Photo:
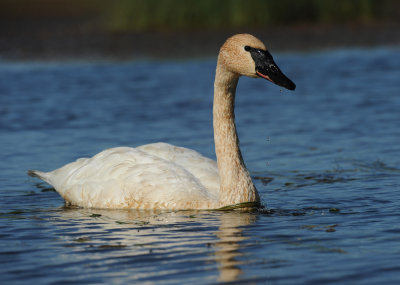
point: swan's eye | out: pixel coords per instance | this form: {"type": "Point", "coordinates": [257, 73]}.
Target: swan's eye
{"type": "Point", "coordinates": [247, 48]}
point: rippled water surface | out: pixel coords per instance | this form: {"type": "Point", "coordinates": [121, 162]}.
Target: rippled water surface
{"type": "Point", "coordinates": [325, 158]}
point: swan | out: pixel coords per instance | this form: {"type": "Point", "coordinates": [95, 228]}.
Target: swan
{"type": "Point", "coordinates": [163, 176]}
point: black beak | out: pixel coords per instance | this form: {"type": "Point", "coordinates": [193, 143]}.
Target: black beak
{"type": "Point", "coordinates": [267, 68]}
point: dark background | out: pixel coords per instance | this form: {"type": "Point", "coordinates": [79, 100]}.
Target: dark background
{"type": "Point", "coordinates": [62, 29]}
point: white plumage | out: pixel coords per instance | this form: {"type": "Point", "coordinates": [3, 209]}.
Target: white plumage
{"type": "Point", "coordinates": [150, 176]}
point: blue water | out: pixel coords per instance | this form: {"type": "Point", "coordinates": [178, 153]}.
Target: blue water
{"type": "Point", "coordinates": [325, 158]}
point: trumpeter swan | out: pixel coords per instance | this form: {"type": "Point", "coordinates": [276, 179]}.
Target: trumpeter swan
{"type": "Point", "coordinates": [162, 176]}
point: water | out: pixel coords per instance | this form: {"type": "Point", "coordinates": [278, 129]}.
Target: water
{"type": "Point", "coordinates": [325, 159]}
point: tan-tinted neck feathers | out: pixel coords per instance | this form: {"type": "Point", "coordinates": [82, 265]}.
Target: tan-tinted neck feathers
{"type": "Point", "coordinates": [233, 61]}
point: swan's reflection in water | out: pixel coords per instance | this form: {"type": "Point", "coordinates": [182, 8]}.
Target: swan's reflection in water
{"type": "Point", "coordinates": [153, 244]}
{"type": "Point", "coordinates": [227, 248]}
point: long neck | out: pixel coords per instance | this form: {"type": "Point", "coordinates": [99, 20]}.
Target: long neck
{"type": "Point", "coordinates": [236, 185]}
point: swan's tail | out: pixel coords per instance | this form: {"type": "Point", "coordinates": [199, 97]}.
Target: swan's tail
{"type": "Point", "coordinates": [39, 174]}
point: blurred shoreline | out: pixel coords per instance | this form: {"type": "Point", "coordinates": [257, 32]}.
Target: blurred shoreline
{"type": "Point", "coordinates": [76, 39]}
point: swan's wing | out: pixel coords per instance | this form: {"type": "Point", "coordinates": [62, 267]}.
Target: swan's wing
{"type": "Point", "coordinates": [203, 168]}
{"type": "Point", "coordinates": [127, 178]}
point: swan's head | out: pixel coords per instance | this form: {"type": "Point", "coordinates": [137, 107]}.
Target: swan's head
{"type": "Point", "coordinates": [244, 54]}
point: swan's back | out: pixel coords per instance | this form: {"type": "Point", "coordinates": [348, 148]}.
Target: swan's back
{"type": "Point", "coordinates": [203, 168]}
{"type": "Point", "coordinates": [151, 176]}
